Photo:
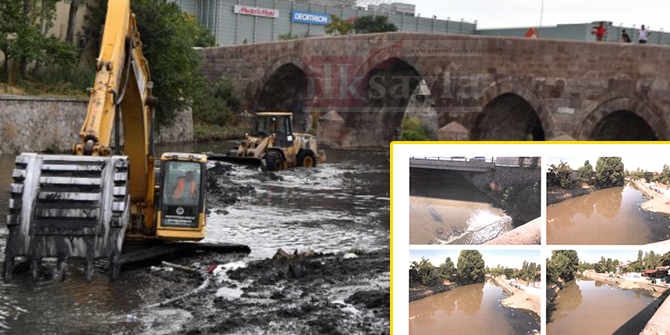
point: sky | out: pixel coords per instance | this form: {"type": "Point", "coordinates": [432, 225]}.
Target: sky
{"type": "Point", "coordinates": [525, 13]}
{"type": "Point", "coordinates": [506, 258]}
{"type": "Point", "coordinates": [654, 164]}
{"type": "Point", "coordinates": [593, 256]}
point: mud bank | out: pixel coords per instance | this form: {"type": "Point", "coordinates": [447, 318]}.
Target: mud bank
{"type": "Point", "coordinates": [552, 292]}
{"type": "Point", "coordinates": [560, 196]}
{"type": "Point", "coordinates": [623, 283]}
{"type": "Point", "coordinates": [424, 292]}
{"type": "Point", "coordinates": [520, 299]}
{"type": "Point", "coordinates": [311, 294]}
{"type": "Point", "coordinates": [658, 203]}
{"type": "Point", "coordinates": [223, 191]}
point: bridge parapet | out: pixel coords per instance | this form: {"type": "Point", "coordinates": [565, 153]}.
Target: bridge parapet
{"type": "Point", "coordinates": [453, 164]}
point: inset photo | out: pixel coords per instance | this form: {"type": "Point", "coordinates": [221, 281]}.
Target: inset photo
{"type": "Point", "coordinates": [608, 292]}
{"type": "Point", "coordinates": [474, 292]}
{"type": "Point", "coordinates": [608, 200]}
{"type": "Point", "coordinates": [475, 200]}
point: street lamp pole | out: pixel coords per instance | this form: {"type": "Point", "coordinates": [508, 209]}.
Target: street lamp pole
{"type": "Point", "coordinates": [541, 13]}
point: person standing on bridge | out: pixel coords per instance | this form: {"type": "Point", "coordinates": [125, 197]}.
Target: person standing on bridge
{"type": "Point", "coordinates": [644, 35]}
{"type": "Point", "coordinates": [624, 37]}
{"type": "Point", "coordinates": [600, 32]}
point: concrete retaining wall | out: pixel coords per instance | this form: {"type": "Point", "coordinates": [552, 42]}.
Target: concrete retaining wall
{"type": "Point", "coordinates": [44, 123]}
{"type": "Point", "coordinates": [659, 324]}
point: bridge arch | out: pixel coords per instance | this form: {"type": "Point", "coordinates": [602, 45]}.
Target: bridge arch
{"type": "Point", "coordinates": [624, 119]}
{"type": "Point", "coordinates": [282, 88]}
{"type": "Point", "coordinates": [387, 88]}
{"type": "Point", "coordinates": [509, 111]}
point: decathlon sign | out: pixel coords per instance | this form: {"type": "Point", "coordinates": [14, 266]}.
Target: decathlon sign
{"type": "Point", "coordinates": [309, 18]}
{"type": "Point", "coordinates": [256, 11]}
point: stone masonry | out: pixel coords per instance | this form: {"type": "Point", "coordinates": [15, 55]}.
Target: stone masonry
{"type": "Point", "coordinates": [36, 124]}
{"type": "Point", "coordinates": [495, 88]}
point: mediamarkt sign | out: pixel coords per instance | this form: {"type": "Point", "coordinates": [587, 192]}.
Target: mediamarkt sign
{"type": "Point", "coordinates": [256, 11]}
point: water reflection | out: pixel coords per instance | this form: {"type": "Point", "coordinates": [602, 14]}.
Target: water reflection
{"type": "Point", "coordinates": [472, 309]}
{"type": "Point", "coordinates": [609, 216]}
{"type": "Point", "coordinates": [599, 307]}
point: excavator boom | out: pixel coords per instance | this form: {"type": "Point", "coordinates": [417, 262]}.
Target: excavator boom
{"type": "Point", "coordinates": [83, 205]}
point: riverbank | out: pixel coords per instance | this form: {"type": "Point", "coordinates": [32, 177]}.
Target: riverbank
{"type": "Point", "coordinates": [554, 197]}
{"type": "Point", "coordinates": [552, 292]}
{"type": "Point", "coordinates": [418, 293]}
{"type": "Point", "coordinates": [658, 202]}
{"type": "Point", "coordinates": [520, 299]}
{"type": "Point", "coordinates": [629, 284]}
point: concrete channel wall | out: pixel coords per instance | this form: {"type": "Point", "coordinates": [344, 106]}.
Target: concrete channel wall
{"type": "Point", "coordinates": [29, 123]}
{"type": "Point", "coordinates": [658, 324]}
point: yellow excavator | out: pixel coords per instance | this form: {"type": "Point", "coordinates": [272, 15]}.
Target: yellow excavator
{"type": "Point", "coordinates": [83, 205]}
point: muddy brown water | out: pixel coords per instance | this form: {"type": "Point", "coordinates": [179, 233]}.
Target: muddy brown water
{"type": "Point", "coordinates": [334, 207]}
{"type": "Point", "coordinates": [610, 216]}
{"type": "Point", "coordinates": [444, 208]}
{"type": "Point", "coordinates": [593, 307]}
{"type": "Point", "coordinates": [472, 309]}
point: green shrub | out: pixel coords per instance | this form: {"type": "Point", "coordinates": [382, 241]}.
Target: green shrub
{"type": "Point", "coordinates": [412, 130]}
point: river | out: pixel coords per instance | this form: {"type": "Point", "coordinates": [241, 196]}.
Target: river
{"type": "Point", "coordinates": [447, 209]}
{"type": "Point", "coordinates": [472, 309]}
{"type": "Point", "coordinates": [338, 205]}
{"type": "Point", "coordinates": [586, 306]}
{"type": "Point", "coordinates": [611, 216]}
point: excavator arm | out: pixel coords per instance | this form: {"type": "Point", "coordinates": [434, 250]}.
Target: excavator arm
{"type": "Point", "coordinates": [83, 205]}
{"type": "Point", "coordinates": [122, 90]}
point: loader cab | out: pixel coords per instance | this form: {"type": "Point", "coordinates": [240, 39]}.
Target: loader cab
{"type": "Point", "coordinates": [181, 201]}
{"type": "Point", "coordinates": [278, 124]}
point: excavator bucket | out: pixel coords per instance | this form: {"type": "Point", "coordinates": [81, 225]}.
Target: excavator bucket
{"type": "Point", "coordinates": [67, 206]}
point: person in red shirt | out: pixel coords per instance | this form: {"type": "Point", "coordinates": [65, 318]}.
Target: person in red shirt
{"type": "Point", "coordinates": [600, 32]}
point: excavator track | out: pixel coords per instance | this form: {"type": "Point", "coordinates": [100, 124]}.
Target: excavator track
{"type": "Point", "coordinates": [67, 207]}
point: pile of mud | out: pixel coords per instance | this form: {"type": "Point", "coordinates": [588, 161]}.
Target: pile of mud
{"type": "Point", "coordinates": [222, 191]}
{"type": "Point", "coordinates": [307, 294]}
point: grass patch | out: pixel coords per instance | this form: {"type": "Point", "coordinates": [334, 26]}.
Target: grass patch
{"type": "Point", "coordinates": [214, 132]}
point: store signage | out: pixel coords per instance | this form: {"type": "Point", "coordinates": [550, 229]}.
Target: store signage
{"type": "Point", "coordinates": [309, 18]}
{"type": "Point", "coordinates": [256, 11]}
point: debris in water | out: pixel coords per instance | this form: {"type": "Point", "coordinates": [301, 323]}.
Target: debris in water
{"type": "Point", "coordinates": [131, 318]}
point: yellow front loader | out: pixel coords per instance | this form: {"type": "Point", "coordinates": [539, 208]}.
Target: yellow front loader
{"type": "Point", "coordinates": [274, 146]}
{"type": "Point", "coordinates": [83, 205]}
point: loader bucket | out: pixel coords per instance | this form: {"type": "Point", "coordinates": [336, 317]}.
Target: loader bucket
{"type": "Point", "coordinates": [67, 206]}
{"type": "Point", "coordinates": [249, 161]}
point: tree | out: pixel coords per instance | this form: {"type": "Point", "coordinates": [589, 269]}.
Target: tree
{"type": "Point", "coordinates": [665, 260]}
{"type": "Point", "coordinates": [421, 272]}
{"type": "Point", "coordinates": [373, 24]}
{"type": "Point", "coordinates": [337, 26]}
{"type": "Point", "coordinates": [470, 266]}
{"type": "Point", "coordinates": [560, 175]}
{"type": "Point", "coordinates": [168, 40]}
{"type": "Point", "coordinates": [509, 273]}
{"type": "Point", "coordinates": [563, 264]}
{"type": "Point", "coordinates": [23, 28]}
{"type": "Point", "coordinates": [609, 171]}
{"type": "Point", "coordinates": [446, 269]}
{"type": "Point", "coordinates": [585, 173]}
{"type": "Point", "coordinates": [71, 18]}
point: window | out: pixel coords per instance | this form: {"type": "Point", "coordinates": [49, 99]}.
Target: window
{"type": "Point", "coordinates": [181, 184]}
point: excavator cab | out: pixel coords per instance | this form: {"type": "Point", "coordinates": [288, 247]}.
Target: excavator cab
{"type": "Point", "coordinates": [181, 198]}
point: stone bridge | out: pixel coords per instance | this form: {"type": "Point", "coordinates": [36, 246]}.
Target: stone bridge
{"type": "Point", "coordinates": [482, 88]}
